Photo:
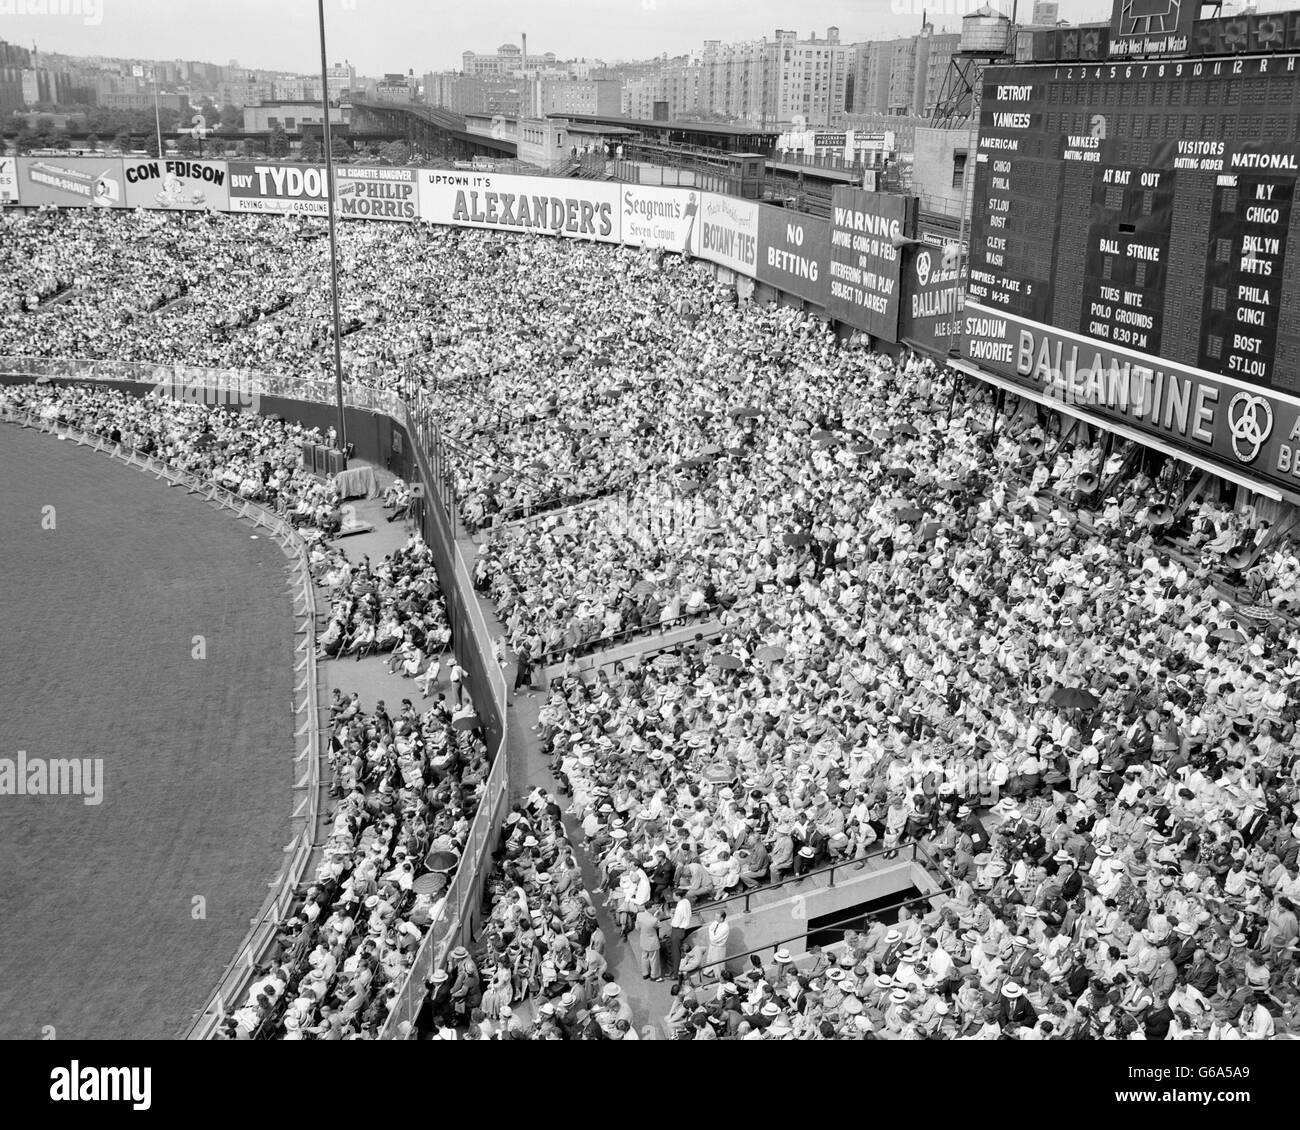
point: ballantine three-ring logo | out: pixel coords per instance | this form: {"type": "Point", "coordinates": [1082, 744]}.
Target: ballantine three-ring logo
{"type": "Point", "coordinates": [1250, 419]}
{"type": "Point", "coordinates": [923, 268]}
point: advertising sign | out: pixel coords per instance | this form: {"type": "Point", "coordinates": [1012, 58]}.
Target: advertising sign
{"type": "Point", "coordinates": [70, 182]}
{"type": "Point", "coordinates": [189, 186]}
{"type": "Point", "coordinates": [934, 278]}
{"type": "Point", "coordinates": [728, 233]}
{"type": "Point", "coordinates": [8, 180]}
{"type": "Point", "coordinates": [366, 193]}
{"type": "Point", "coordinates": [575, 209]}
{"type": "Point", "coordinates": [792, 252]}
{"type": "Point", "coordinates": [1151, 27]}
{"type": "Point", "coordinates": [278, 189]}
{"type": "Point", "coordinates": [659, 217]}
{"type": "Point", "coordinates": [868, 229]}
{"type": "Point", "coordinates": [1237, 425]}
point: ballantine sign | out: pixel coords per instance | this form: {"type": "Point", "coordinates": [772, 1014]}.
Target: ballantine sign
{"type": "Point", "coordinates": [1245, 428]}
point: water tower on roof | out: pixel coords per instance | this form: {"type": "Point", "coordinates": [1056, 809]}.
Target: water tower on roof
{"type": "Point", "coordinates": [985, 38]}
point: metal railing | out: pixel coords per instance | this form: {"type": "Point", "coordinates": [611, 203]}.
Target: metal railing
{"type": "Point", "coordinates": [237, 386]}
{"type": "Point", "coordinates": [842, 925]}
{"type": "Point", "coordinates": [454, 923]}
{"type": "Point", "coordinates": [828, 870]}
{"type": "Point", "coordinates": [239, 974]}
{"type": "Point", "coordinates": [643, 633]}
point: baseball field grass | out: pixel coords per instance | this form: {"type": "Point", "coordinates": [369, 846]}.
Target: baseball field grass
{"type": "Point", "coordinates": [144, 628]}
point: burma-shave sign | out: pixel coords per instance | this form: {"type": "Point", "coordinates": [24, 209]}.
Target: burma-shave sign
{"type": "Point", "coordinates": [1243, 428]}
{"type": "Point", "coordinates": [70, 182]}
{"type": "Point", "coordinates": [868, 232]}
{"type": "Point", "coordinates": [559, 206]}
{"type": "Point", "coordinates": [792, 252]}
{"type": "Point", "coordinates": [188, 186]}
{"type": "Point", "coordinates": [376, 193]}
{"type": "Point", "coordinates": [278, 189]}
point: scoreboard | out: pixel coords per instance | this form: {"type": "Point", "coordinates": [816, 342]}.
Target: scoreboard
{"type": "Point", "coordinates": [1133, 252]}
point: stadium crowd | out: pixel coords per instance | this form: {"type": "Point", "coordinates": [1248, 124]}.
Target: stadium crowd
{"type": "Point", "coordinates": [407, 787]}
{"type": "Point", "coordinates": [919, 629]}
{"type": "Point", "coordinates": [395, 607]}
{"type": "Point", "coordinates": [252, 456]}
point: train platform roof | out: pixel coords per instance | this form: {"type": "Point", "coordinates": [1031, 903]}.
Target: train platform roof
{"type": "Point", "coordinates": [721, 129]}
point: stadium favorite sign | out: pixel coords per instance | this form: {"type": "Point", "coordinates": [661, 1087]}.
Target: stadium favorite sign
{"type": "Point", "coordinates": [1242, 427]}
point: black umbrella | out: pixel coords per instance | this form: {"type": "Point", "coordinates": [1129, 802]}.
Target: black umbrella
{"type": "Point", "coordinates": [1074, 698]}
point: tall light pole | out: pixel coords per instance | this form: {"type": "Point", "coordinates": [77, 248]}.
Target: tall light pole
{"type": "Point", "coordinates": [334, 248]}
{"type": "Point", "coordinates": [157, 117]}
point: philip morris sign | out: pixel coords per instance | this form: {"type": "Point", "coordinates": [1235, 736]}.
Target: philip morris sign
{"type": "Point", "coordinates": [1244, 428]}
{"type": "Point", "coordinates": [377, 193]}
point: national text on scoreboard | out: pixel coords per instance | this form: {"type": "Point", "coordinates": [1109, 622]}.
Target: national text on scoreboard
{"type": "Point", "coordinates": [1145, 208]}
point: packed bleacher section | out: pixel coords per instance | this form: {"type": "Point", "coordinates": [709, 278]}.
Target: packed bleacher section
{"type": "Point", "coordinates": [394, 608]}
{"type": "Point", "coordinates": [539, 970]}
{"type": "Point", "coordinates": [254, 457]}
{"type": "Point", "coordinates": [927, 633]}
{"type": "Point", "coordinates": [407, 785]}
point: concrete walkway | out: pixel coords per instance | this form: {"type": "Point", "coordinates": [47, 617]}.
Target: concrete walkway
{"type": "Point", "coordinates": [529, 769]}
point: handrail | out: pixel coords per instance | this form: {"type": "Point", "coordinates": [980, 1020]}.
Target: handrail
{"type": "Point", "coordinates": [829, 868]}
{"type": "Point", "coordinates": [619, 639]}
{"type": "Point", "coordinates": [238, 973]}
{"type": "Point", "coordinates": [841, 924]}
{"type": "Point", "coordinates": [246, 383]}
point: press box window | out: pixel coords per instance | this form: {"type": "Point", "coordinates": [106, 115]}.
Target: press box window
{"type": "Point", "coordinates": [958, 170]}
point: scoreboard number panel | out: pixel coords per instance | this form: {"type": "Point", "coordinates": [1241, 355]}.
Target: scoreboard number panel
{"type": "Point", "coordinates": [1132, 247]}
{"type": "Point", "coordinates": [1145, 175]}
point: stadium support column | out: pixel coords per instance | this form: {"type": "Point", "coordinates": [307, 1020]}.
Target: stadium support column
{"type": "Point", "coordinates": [334, 248]}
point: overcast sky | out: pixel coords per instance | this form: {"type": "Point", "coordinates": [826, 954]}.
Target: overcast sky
{"type": "Point", "coordinates": [394, 35]}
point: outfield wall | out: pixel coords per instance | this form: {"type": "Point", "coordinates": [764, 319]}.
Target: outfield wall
{"type": "Point", "coordinates": [850, 265]}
